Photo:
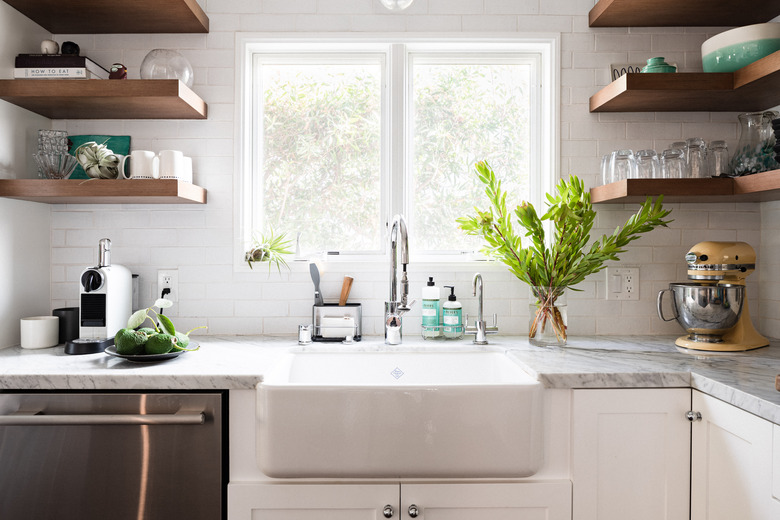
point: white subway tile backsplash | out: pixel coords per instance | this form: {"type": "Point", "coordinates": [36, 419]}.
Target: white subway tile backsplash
{"type": "Point", "coordinates": [199, 240]}
{"type": "Point", "coordinates": [378, 23]}
{"type": "Point", "coordinates": [489, 23]}
{"type": "Point", "coordinates": [233, 6]}
{"type": "Point", "coordinates": [562, 24]}
{"type": "Point", "coordinates": [451, 7]}
{"type": "Point", "coordinates": [434, 23]}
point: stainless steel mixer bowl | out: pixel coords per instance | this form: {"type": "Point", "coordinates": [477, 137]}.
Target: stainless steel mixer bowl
{"type": "Point", "coordinates": [705, 311]}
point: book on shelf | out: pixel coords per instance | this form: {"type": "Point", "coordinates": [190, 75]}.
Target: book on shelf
{"type": "Point", "coordinates": [60, 61]}
{"type": "Point", "coordinates": [56, 73]}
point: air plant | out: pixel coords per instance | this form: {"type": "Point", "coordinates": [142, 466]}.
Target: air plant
{"type": "Point", "coordinates": [269, 248]}
{"type": "Point", "coordinates": [98, 161]}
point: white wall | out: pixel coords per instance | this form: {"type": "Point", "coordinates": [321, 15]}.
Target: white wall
{"type": "Point", "coordinates": [198, 240]}
{"type": "Point", "coordinates": [24, 226]}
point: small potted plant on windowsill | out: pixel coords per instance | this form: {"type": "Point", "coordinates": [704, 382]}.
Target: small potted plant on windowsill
{"type": "Point", "coordinates": [551, 265]}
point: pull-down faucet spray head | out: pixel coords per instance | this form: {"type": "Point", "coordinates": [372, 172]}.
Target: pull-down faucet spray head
{"type": "Point", "coordinates": [399, 253]}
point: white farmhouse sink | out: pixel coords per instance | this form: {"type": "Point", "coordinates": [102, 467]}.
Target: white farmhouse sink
{"type": "Point", "coordinates": [360, 412]}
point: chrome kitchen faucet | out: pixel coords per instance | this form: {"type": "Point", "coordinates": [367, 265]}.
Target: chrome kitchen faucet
{"type": "Point", "coordinates": [395, 308]}
{"type": "Point", "coordinates": [480, 328]}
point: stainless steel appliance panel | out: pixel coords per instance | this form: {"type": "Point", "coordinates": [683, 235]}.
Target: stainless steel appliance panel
{"type": "Point", "coordinates": [122, 456]}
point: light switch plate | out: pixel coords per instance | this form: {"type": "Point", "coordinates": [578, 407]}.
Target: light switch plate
{"type": "Point", "coordinates": [622, 283]}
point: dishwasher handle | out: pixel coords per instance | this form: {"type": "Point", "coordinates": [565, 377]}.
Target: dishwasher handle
{"type": "Point", "coordinates": [41, 419]}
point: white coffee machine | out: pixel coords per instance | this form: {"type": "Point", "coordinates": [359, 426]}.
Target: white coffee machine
{"type": "Point", "coordinates": [106, 297]}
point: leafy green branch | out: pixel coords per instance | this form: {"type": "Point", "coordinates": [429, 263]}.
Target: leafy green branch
{"type": "Point", "coordinates": [567, 259]}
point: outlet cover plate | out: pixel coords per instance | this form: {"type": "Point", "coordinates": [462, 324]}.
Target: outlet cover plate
{"type": "Point", "coordinates": [168, 278]}
{"type": "Point", "coordinates": [622, 283]}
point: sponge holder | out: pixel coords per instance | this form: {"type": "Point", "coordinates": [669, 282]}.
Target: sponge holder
{"type": "Point", "coordinates": [334, 322]}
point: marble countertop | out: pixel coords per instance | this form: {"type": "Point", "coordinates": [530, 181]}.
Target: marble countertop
{"type": "Point", "coordinates": [746, 379]}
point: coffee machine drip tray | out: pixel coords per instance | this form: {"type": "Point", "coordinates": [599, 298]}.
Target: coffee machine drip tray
{"type": "Point", "coordinates": [88, 345]}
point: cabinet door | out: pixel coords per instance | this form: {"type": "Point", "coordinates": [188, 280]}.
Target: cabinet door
{"type": "Point", "coordinates": [252, 501]}
{"type": "Point", "coordinates": [550, 500]}
{"type": "Point", "coordinates": [631, 454]}
{"type": "Point", "coordinates": [731, 463]}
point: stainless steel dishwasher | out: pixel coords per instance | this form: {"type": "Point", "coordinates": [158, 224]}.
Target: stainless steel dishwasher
{"type": "Point", "coordinates": [117, 456]}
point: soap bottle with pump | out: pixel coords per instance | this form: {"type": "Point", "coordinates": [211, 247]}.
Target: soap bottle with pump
{"type": "Point", "coordinates": [430, 310]}
{"type": "Point", "coordinates": [452, 318]}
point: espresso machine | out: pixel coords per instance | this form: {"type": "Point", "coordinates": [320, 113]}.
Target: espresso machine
{"type": "Point", "coordinates": [106, 296]}
{"type": "Point", "coordinates": [713, 309]}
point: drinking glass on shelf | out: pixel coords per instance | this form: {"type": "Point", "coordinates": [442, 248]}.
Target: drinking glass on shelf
{"type": "Point", "coordinates": [696, 158]}
{"type": "Point", "coordinates": [622, 165]}
{"type": "Point", "coordinates": [678, 145]}
{"type": "Point", "coordinates": [718, 159]}
{"type": "Point", "coordinates": [673, 163]}
{"type": "Point", "coordinates": [606, 174]}
{"type": "Point", "coordinates": [647, 165]}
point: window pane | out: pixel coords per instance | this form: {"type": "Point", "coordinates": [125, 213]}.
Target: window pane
{"type": "Point", "coordinates": [464, 113]}
{"type": "Point", "coordinates": [321, 153]}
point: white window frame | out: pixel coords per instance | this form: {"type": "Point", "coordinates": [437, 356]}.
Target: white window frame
{"type": "Point", "coordinates": [396, 167]}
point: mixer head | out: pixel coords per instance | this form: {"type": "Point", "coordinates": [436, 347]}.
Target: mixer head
{"type": "Point", "coordinates": [720, 261]}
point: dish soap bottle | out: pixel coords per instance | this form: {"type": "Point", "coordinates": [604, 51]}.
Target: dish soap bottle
{"type": "Point", "coordinates": [452, 311]}
{"type": "Point", "coordinates": [430, 309]}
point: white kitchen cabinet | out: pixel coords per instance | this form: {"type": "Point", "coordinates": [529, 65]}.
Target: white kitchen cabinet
{"type": "Point", "coordinates": [253, 501]}
{"type": "Point", "coordinates": [734, 468]}
{"type": "Point", "coordinates": [549, 500]}
{"type": "Point", "coordinates": [631, 454]}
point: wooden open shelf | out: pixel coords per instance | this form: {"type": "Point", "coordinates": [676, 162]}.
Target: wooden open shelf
{"type": "Point", "coordinates": [105, 99]}
{"type": "Point", "coordinates": [673, 13]}
{"type": "Point", "coordinates": [115, 16]}
{"type": "Point", "coordinates": [758, 187]}
{"type": "Point", "coordinates": [752, 88]}
{"type": "Point", "coordinates": [103, 191]}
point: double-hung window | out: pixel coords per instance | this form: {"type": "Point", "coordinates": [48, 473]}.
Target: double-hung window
{"type": "Point", "coordinates": [338, 134]}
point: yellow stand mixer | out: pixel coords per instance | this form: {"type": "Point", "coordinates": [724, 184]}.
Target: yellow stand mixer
{"type": "Point", "coordinates": [714, 310]}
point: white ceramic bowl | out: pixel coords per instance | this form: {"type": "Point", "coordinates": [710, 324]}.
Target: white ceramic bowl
{"type": "Point", "coordinates": [736, 48]}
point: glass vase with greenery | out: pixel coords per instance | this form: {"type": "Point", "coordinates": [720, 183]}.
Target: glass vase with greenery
{"type": "Point", "coordinates": [568, 256]}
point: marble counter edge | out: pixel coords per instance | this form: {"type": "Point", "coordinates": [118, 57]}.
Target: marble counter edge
{"type": "Point", "coordinates": [629, 362]}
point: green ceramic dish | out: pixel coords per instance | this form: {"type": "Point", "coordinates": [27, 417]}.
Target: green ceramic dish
{"type": "Point", "coordinates": [658, 65]}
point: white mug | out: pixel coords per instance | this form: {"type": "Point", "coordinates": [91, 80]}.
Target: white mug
{"type": "Point", "coordinates": [171, 164]}
{"type": "Point", "coordinates": [40, 331]}
{"type": "Point", "coordinates": [143, 165]}
{"type": "Point", "coordinates": [186, 174]}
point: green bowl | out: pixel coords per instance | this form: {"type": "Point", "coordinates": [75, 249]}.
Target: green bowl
{"type": "Point", "coordinates": [737, 48]}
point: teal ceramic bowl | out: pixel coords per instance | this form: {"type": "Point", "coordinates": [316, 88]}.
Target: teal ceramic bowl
{"type": "Point", "coordinates": [736, 48]}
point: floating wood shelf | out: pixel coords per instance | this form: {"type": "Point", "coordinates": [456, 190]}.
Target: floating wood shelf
{"type": "Point", "coordinates": [103, 191]}
{"type": "Point", "coordinates": [749, 89]}
{"type": "Point", "coordinates": [758, 187]}
{"type": "Point", "coordinates": [105, 99]}
{"type": "Point", "coordinates": [673, 13]}
{"type": "Point", "coordinates": [112, 17]}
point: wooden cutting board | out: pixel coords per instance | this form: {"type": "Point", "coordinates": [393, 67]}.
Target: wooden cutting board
{"type": "Point", "coordinates": [777, 382]}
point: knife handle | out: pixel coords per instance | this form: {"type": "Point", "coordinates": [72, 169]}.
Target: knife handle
{"type": "Point", "coordinates": [346, 286]}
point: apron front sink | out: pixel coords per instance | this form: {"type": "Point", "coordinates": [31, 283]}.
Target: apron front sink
{"type": "Point", "coordinates": [374, 412]}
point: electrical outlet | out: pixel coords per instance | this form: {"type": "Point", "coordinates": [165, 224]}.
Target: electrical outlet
{"type": "Point", "coordinates": [622, 283]}
{"type": "Point", "coordinates": [168, 279]}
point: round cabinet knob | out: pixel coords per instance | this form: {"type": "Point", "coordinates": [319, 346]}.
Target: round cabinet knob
{"type": "Point", "coordinates": [413, 511]}
{"type": "Point", "coordinates": [693, 416]}
{"type": "Point", "coordinates": [388, 511]}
